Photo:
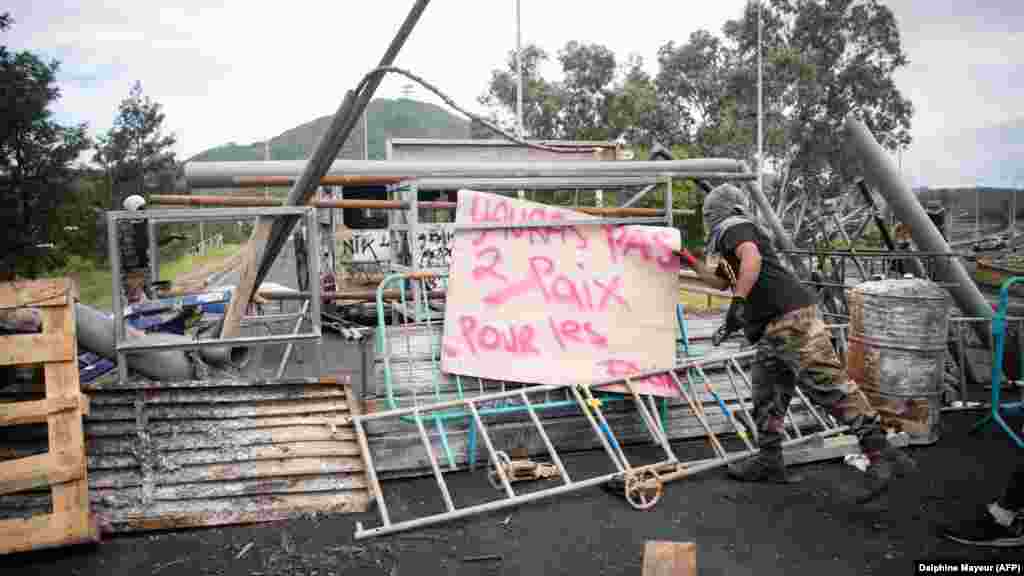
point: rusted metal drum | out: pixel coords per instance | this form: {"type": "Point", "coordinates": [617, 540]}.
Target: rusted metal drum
{"type": "Point", "coordinates": [897, 346]}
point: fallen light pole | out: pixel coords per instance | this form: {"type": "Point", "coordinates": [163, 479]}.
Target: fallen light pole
{"type": "Point", "coordinates": [269, 235]}
{"type": "Point", "coordinates": [883, 175]}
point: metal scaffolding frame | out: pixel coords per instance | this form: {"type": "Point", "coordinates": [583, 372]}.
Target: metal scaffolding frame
{"type": "Point", "coordinates": [642, 485]}
{"type": "Point", "coordinates": [154, 218]}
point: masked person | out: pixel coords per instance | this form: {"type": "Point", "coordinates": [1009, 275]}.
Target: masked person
{"type": "Point", "coordinates": [780, 316]}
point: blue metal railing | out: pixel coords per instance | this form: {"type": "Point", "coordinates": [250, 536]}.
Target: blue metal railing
{"type": "Point", "coordinates": [999, 339]}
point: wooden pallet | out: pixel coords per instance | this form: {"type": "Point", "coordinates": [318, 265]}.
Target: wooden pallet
{"type": "Point", "coordinates": [63, 467]}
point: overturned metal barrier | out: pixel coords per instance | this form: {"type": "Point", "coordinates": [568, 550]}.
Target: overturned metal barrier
{"type": "Point", "coordinates": [642, 484]}
{"type": "Point", "coordinates": [221, 352]}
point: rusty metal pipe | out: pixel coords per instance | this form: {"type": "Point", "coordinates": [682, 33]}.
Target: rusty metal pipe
{"type": "Point", "coordinates": [354, 295]}
{"type": "Point", "coordinates": [185, 200]}
{"type": "Point", "coordinates": [223, 174]}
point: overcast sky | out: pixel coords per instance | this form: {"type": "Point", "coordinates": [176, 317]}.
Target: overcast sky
{"type": "Point", "coordinates": [244, 71]}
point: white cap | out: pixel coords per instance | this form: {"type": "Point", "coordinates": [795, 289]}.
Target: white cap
{"type": "Point", "coordinates": [134, 202]}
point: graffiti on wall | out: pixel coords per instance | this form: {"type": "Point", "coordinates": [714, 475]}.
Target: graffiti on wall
{"type": "Point", "coordinates": [433, 246]}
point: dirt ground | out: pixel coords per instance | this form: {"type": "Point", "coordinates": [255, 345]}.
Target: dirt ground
{"type": "Point", "coordinates": [810, 528]}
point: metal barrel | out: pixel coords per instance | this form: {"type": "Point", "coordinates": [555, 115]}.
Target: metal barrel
{"type": "Point", "coordinates": [897, 346]}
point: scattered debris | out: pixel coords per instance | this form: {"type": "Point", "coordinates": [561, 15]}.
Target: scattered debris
{"type": "Point", "coordinates": [521, 470]}
{"type": "Point", "coordinates": [350, 551]}
{"type": "Point", "coordinates": [245, 550]}
{"type": "Point", "coordinates": [160, 567]}
{"type": "Point", "coordinates": [432, 537]}
{"type": "Point", "coordinates": [858, 461]}
{"type": "Point", "coordinates": [484, 558]}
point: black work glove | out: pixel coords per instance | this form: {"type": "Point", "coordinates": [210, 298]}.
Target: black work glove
{"type": "Point", "coordinates": [735, 319]}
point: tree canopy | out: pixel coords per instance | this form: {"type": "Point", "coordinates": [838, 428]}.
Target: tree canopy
{"type": "Point", "coordinates": [822, 60]}
{"type": "Point", "coordinates": [136, 147]}
{"type": "Point", "coordinates": [36, 152]}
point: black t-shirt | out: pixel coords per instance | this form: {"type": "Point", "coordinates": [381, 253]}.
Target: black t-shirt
{"type": "Point", "coordinates": [776, 292]}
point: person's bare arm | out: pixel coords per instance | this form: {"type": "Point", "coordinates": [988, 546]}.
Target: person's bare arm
{"type": "Point", "coordinates": [750, 268]}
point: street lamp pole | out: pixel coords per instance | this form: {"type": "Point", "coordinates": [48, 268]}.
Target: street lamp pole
{"type": "Point", "coordinates": [519, 68]}
{"type": "Point", "coordinates": [760, 104]}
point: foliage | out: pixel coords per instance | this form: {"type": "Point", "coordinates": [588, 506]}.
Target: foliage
{"type": "Point", "coordinates": [823, 60]}
{"type": "Point", "coordinates": [186, 263]}
{"type": "Point", "coordinates": [135, 149]}
{"type": "Point", "coordinates": [36, 155]}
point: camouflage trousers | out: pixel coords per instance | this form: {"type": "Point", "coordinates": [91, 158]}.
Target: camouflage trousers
{"type": "Point", "coordinates": [796, 350]}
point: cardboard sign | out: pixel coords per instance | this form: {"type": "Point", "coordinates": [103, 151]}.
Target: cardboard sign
{"type": "Point", "coordinates": [565, 305]}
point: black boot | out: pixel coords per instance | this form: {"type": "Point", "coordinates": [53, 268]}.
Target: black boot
{"type": "Point", "coordinates": [767, 467]}
{"type": "Point", "coordinates": [885, 462]}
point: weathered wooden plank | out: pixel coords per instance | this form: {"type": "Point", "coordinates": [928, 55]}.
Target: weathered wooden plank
{"type": "Point", "coordinates": [219, 512]}
{"type": "Point", "coordinates": [138, 383]}
{"type": "Point", "coordinates": [35, 348]}
{"type": "Point", "coordinates": [229, 454]}
{"type": "Point", "coordinates": [121, 498]}
{"type": "Point", "coordinates": [670, 558]}
{"type": "Point", "coordinates": [44, 531]}
{"type": "Point", "coordinates": [37, 411]}
{"type": "Point", "coordinates": [25, 504]}
{"type": "Point", "coordinates": [233, 471]}
{"type": "Point", "coordinates": [216, 396]}
{"type": "Point", "coordinates": [393, 454]}
{"type": "Point", "coordinates": [67, 439]}
{"type": "Point", "coordinates": [47, 292]}
{"type": "Point", "coordinates": [206, 411]}
{"type": "Point", "coordinates": [38, 471]}
{"type": "Point", "coordinates": [108, 446]}
{"type": "Point", "coordinates": [164, 427]}
{"type": "Point", "coordinates": [271, 468]}
{"type": "Point", "coordinates": [675, 406]}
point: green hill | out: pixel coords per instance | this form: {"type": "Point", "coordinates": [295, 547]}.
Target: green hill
{"type": "Point", "coordinates": [386, 118]}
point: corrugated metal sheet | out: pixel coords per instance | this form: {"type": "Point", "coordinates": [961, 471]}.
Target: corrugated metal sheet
{"type": "Point", "coordinates": [222, 451]}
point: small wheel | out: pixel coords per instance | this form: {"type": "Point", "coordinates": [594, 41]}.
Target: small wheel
{"type": "Point", "coordinates": [639, 494]}
{"type": "Point", "coordinates": [492, 471]}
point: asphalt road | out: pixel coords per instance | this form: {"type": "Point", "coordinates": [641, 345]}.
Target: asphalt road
{"type": "Point", "coordinates": [740, 529]}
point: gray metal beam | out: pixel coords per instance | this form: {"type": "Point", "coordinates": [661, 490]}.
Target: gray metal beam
{"type": "Point", "coordinates": [773, 220]}
{"type": "Point", "coordinates": [330, 143]}
{"type": "Point", "coordinates": [227, 174]}
{"type": "Point", "coordinates": [564, 183]}
{"type": "Point", "coordinates": [883, 175]}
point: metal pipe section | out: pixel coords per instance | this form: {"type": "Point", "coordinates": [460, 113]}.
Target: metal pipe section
{"type": "Point", "coordinates": [773, 220]}
{"type": "Point", "coordinates": [360, 204]}
{"type": "Point", "coordinates": [880, 172]}
{"type": "Point", "coordinates": [227, 174]}
{"type": "Point", "coordinates": [96, 334]}
{"type": "Point", "coordinates": [235, 356]}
